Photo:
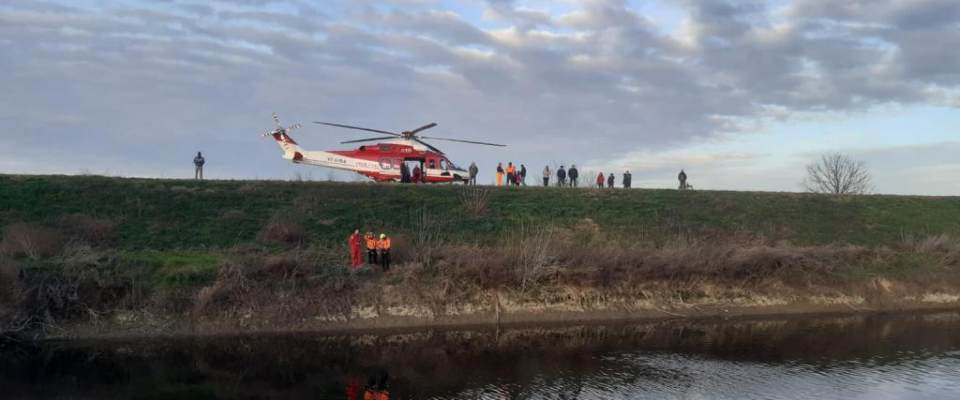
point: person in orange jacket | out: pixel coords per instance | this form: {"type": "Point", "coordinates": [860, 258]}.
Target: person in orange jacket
{"type": "Point", "coordinates": [371, 244]}
{"type": "Point", "coordinates": [384, 245]}
{"type": "Point", "coordinates": [499, 174]}
{"type": "Point", "coordinates": [600, 180]}
{"type": "Point", "coordinates": [354, 241]}
{"type": "Point", "coordinates": [511, 174]}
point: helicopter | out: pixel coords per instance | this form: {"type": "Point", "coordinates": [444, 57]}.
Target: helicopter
{"type": "Point", "coordinates": [383, 160]}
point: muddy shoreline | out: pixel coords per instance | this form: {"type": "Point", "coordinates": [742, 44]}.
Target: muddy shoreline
{"type": "Point", "coordinates": [160, 328]}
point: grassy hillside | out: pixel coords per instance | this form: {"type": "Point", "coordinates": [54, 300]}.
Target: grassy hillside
{"type": "Point", "coordinates": [168, 214]}
{"type": "Point", "coordinates": [89, 248]}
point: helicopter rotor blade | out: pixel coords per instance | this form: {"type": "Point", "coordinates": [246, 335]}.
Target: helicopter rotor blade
{"type": "Point", "coordinates": [423, 128]}
{"type": "Point", "coordinates": [417, 139]}
{"type": "Point", "coordinates": [462, 141]}
{"type": "Point", "coordinates": [356, 127]}
{"type": "Point", "coordinates": [294, 126]}
{"type": "Point", "coordinates": [368, 139]}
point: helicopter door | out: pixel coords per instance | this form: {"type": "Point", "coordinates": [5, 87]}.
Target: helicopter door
{"type": "Point", "coordinates": [444, 168]}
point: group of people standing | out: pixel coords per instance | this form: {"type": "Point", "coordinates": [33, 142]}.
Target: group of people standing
{"type": "Point", "coordinates": [378, 249]}
{"type": "Point", "coordinates": [515, 176]}
{"type": "Point", "coordinates": [571, 178]}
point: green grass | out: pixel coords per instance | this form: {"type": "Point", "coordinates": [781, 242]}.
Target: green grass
{"type": "Point", "coordinates": [203, 216]}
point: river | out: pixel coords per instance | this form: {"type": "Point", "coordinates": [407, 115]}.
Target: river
{"type": "Point", "coordinates": [892, 356]}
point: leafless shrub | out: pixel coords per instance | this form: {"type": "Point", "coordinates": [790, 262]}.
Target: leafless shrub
{"type": "Point", "coordinates": [282, 229]}
{"type": "Point", "coordinates": [22, 239]}
{"type": "Point", "coordinates": [474, 200]}
{"type": "Point", "coordinates": [838, 174]}
{"type": "Point", "coordinates": [531, 252]}
{"type": "Point", "coordinates": [427, 238]}
{"type": "Point", "coordinates": [941, 243]}
{"type": "Point", "coordinates": [87, 229]}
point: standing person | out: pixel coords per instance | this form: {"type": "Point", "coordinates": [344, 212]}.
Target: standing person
{"type": "Point", "coordinates": [546, 176]}
{"type": "Point", "coordinates": [499, 174]}
{"type": "Point", "coordinates": [473, 173]}
{"type": "Point", "coordinates": [511, 174]}
{"type": "Point", "coordinates": [610, 180]}
{"type": "Point", "coordinates": [371, 242]}
{"type": "Point", "coordinates": [198, 162]}
{"type": "Point", "coordinates": [600, 180]}
{"type": "Point", "coordinates": [627, 179]}
{"type": "Point", "coordinates": [523, 175]}
{"type": "Point", "coordinates": [354, 241]}
{"type": "Point", "coordinates": [416, 174]}
{"type": "Point", "coordinates": [574, 174]}
{"type": "Point", "coordinates": [384, 246]}
{"type": "Point", "coordinates": [404, 173]}
{"type": "Point", "coordinates": [682, 177]}
{"type": "Point", "coordinates": [561, 177]}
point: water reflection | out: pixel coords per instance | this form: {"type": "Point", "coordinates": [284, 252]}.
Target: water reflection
{"type": "Point", "coordinates": [892, 356]}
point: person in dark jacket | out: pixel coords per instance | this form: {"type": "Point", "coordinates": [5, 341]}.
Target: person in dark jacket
{"type": "Point", "coordinates": [574, 175]}
{"type": "Point", "coordinates": [198, 162]}
{"type": "Point", "coordinates": [627, 180]}
{"type": "Point", "coordinates": [682, 177]}
{"type": "Point", "coordinates": [600, 180]}
{"type": "Point", "coordinates": [561, 177]}
{"type": "Point", "coordinates": [404, 173]}
{"type": "Point", "coordinates": [610, 179]}
{"type": "Point", "coordinates": [523, 175]}
{"type": "Point", "coordinates": [474, 170]}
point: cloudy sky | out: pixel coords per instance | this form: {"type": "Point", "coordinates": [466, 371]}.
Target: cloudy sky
{"type": "Point", "coordinates": [742, 94]}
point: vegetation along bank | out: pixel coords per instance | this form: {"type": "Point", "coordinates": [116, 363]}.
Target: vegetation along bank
{"type": "Point", "coordinates": [88, 255]}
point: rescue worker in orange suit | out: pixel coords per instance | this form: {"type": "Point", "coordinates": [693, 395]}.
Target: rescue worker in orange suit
{"type": "Point", "coordinates": [499, 174]}
{"type": "Point", "coordinates": [383, 245]}
{"type": "Point", "coordinates": [355, 259]}
{"type": "Point", "coordinates": [371, 242]}
{"type": "Point", "coordinates": [600, 180]}
{"type": "Point", "coordinates": [511, 174]}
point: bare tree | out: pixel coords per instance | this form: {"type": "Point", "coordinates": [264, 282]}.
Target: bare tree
{"type": "Point", "coordinates": [837, 173]}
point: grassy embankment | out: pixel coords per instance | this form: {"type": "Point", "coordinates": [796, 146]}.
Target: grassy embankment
{"type": "Point", "coordinates": [164, 255]}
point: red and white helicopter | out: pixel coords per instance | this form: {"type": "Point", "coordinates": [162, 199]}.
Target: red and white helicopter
{"type": "Point", "coordinates": [382, 161]}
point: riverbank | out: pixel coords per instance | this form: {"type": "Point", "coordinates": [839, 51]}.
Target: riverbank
{"type": "Point", "coordinates": [89, 256]}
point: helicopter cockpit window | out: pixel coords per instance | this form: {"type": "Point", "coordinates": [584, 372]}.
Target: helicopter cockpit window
{"type": "Point", "coordinates": [384, 147]}
{"type": "Point", "coordinates": [433, 164]}
{"type": "Point", "coordinates": [443, 165]}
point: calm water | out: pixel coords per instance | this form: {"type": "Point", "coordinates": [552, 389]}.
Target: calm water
{"type": "Point", "coordinates": [875, 357]}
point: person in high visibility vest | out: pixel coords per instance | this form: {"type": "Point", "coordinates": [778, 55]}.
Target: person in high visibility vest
{"type": "Point", "coordinates": [511, 174]}
{"type": "Point", "coordinates": [371, 243]}
{"type": "Point", "coordinates": [354, 241]}
{"type": "Point", "coordinates": [499, 174]}
{"type": "Point", "coordinates": [383, 245]}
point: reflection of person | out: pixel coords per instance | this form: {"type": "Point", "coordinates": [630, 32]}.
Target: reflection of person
{"type": "Point", "coordinates": [198, 162]}
{"type": "Point", "coordinates": [354, 241]}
